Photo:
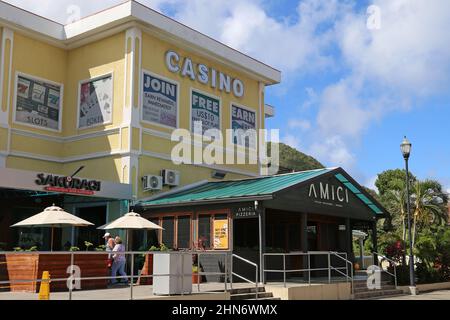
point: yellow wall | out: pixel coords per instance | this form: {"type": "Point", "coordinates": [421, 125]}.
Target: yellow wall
{"type": "Point", "coordinates": [38, 59]}
{"type": "Point", "coordinates": [88, 62]}
{"type": "Point", "coordinates": [110, 55]}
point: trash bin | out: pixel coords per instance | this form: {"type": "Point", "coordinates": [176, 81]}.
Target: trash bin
{"type": "Point", "coordinates": [167, 270]}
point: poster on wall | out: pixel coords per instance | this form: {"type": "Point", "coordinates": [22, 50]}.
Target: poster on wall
{"type": "Point", "coordinates": [38, 103]}
{"type": "Point", "coordinates": [221, 234]}
{"type": "Point", "coordinates": [242, 119]}
{"type": "Point", "coordinates": [159, 101]}
{"type": "Point", "coordinates": [205, 109]}
{"type": "Point", "coordinates": [95, 104]}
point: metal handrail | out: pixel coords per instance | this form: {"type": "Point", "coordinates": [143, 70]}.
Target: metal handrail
{"type": "Point", "coordinates": [132, 277]}
{"type": "Point", "coordinates": [329, 268]}
{"type": "Point", "coordinates": [391, 262]}
{"type": "Point", "coordinates": [347, 263]}
{"type": "Point", "coordinates": [241, 277]}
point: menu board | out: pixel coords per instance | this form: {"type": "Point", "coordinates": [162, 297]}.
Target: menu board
{"type": "Point", "coordinates": [95, 102]}
{"type": "Point", "coordinates": [221, 234]}
{"type": "Point", "coordinates": [38, 103]}
{"type": "Point", "coordinates": [159, 101]}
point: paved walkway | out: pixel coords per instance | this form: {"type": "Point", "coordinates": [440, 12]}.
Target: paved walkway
{"type": "Point", "coordinates": [435, 295]}
{"type": "Point", "coordinates": [121, 292]}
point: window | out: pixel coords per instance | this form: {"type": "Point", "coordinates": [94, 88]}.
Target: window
{"type": "Point", "coordinates": [213, 230]}
{"type": "Point", "coordinates": [169, 231]}
{"type": "Point", "coordinates": [184, 232]}
{"type": "Point", "coordinates": [204, 230]}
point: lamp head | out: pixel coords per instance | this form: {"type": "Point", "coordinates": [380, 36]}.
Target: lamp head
{"type": "Point", "coordinates": [405, 147]}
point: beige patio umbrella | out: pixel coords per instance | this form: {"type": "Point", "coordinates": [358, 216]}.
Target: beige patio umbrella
{"type": "Point", "coordinates": [131, 221]}
{"type": "Point", "coordinates": [53, 217]}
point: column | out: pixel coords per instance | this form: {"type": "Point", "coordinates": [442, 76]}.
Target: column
{"type": "Point", "coordinates": [262, 241]}
{"type": "Point", "coordinates": [374, 242]}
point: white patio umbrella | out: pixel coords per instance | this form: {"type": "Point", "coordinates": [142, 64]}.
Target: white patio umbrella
{"type": "Point", "coordinates": [131, 221]}
{"type": "Point", "coordinates": [53, 217]}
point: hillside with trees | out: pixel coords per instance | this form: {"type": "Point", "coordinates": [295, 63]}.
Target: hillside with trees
{"type": "Point", "coordinates": [294, 160]}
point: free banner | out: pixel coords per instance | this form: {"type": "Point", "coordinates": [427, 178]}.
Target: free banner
{"type": "Point", "coordinates": [206, 110]}
{"type": "Point", "coordinates": [221, 234]}
{"type": "Point", "coordinates": [242, 120]}
{"type": "Point", "coordinates": [38, 103]}
{"type": "Point", "coordinates": [159, 101]}
{"type": "Point", "coordinates": [95, 102]}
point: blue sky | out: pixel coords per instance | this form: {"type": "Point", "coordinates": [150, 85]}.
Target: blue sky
{"type": "Point", "coordinates": [354, 81]}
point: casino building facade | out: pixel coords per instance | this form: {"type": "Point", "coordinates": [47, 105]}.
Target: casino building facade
{"type": "Point", "coordinates": [87, 111]}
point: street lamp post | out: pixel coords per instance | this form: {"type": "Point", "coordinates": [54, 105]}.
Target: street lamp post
{"type": "Point", "coordinates": [406, 151]}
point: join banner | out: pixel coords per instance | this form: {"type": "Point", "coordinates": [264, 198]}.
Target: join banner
{"type": "Point", "coordinates": [160, 101]}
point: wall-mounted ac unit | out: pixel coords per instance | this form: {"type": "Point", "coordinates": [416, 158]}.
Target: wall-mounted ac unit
{"type": "Point", "coordinates": [151, 182]}
{"type": "Point", "coordinates": [170, 177]}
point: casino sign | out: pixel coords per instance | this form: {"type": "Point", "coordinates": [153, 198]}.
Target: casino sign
{"type": "Point", "coordinates": [73, 185]}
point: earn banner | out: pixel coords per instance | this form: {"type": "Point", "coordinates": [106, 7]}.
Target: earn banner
{"type": "Point", "coordinates": [243, 120]}
{"type": "Point", "coordinates": [206, 110]}
{"type": "Point", "coordinates": [159, 101]}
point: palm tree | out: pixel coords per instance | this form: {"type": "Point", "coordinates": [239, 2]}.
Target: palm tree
{"type": "Point", "coordinates": [429, 205]}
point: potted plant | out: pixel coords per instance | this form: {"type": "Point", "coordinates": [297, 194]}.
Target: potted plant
{"type": "Point", "coordinates": [147, 269]}
{"type": "Point", "coordinates": [196, 278]}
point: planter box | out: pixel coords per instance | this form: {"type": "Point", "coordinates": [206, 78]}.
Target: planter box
{"type": "Point", "coordinates": [147, 270]}
{"type": "Point", "coordinates": [174, 264]}
{"type": "Point", "coordinates": [31, 266]}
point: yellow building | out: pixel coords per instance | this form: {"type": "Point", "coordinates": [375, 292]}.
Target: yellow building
{"type": "Point", "coordinates": [87, 110]}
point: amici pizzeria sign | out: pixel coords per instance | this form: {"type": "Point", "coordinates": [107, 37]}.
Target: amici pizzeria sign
{"type": "Point", "coordinates": [68, 184]}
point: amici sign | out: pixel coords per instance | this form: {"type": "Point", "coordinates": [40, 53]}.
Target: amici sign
{"type": "Point", "coordinates": [323, 193]}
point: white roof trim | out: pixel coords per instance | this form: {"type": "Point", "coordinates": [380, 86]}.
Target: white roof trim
{"type": "Point", "coordinates": [132, 11]}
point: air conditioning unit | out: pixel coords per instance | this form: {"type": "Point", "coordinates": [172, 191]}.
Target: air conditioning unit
{"type": "Point", "coordinates": [151, 182]}
{"type": "Point", "coordinates": [170, 177]}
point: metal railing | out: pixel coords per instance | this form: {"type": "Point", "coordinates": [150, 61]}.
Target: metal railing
{"type": "Point", "coordinates": [329, 268]}
{"type": "Point", "coordinates": [391, 262]}
{"type": "Point", "coordinates": [132, 276]}
{"type": "Point", "coordinates": [243, 278]}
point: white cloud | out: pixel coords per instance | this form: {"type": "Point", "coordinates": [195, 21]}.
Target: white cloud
{"type": "Point", "coordinates": [370, 183]}
{"type": "Point", "coordinates": [332, 150]}
{"type": "Point", "coordinates": [303, 125]}
{"type": "Point", "coordinates": [291, 140]}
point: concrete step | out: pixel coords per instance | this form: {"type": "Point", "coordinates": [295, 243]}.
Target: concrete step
{"type": "Point", "coordinates": [247, 290]}
{"type": "Point", "coordinates": [377, 294]}
{"type": "Point", "coordinates": [250, 296]}
{"type": "Point", "coordinates": [365, 289]}
{"type": "Point", "coordinates": [266, 299]}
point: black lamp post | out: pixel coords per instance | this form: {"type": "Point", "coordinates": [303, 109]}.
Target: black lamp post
{"type": "Point", "coordinates": [406, 151]}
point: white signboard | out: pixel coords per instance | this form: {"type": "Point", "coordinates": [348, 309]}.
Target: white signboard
{"type": "Point", "coordinates": [159, 100]}
{"type": "Point", "coordinates": [243, 122]}
{"type": "Point", "coordinates": [205, 109]}
{"type": "Point", "coordinates": [38, 103]}
{"type": "Point", "coordinates": [95, 102]}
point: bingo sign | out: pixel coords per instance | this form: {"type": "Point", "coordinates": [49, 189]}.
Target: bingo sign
{"type": "Point", "coordinates": [242, 120]}
{"type": "Point", "coordinates": [206, 110]}
{"type": "Point", "coordinates": [38, 103]}
{"type": "Point", "coordinates": [95, 102]}
{"type": "Point", "coordinates": [160, 101]}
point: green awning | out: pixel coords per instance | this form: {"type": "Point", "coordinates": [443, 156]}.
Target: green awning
{"type": "Point", "coordinates": [238, 189]}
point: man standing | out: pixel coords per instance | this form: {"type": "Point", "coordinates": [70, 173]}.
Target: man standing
{"type": "Point", "coordinates": [110, 244]}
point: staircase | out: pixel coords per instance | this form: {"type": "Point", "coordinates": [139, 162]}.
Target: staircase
{"type": "Point", "coordinates": [362, 292]}
{"type": "Point", "coordinates": [250, 294]}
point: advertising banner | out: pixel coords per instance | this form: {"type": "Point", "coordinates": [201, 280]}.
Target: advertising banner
{"type": "Point", "coordinates": [159, 101]}
{"type": "Point", "coordinates": [38, 103]}
{"type": "Point", "coordinates": [221, 234]}
{"type": "Point", "coordinates": [242, 119]}
{"type": "Point", "coordinates": [95, 102]}
{"type": "Point", "coordinates": [206, 110]}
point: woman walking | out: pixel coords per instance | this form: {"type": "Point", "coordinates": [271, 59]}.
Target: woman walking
{"type": "Point", "coordinates": [118, 265]}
